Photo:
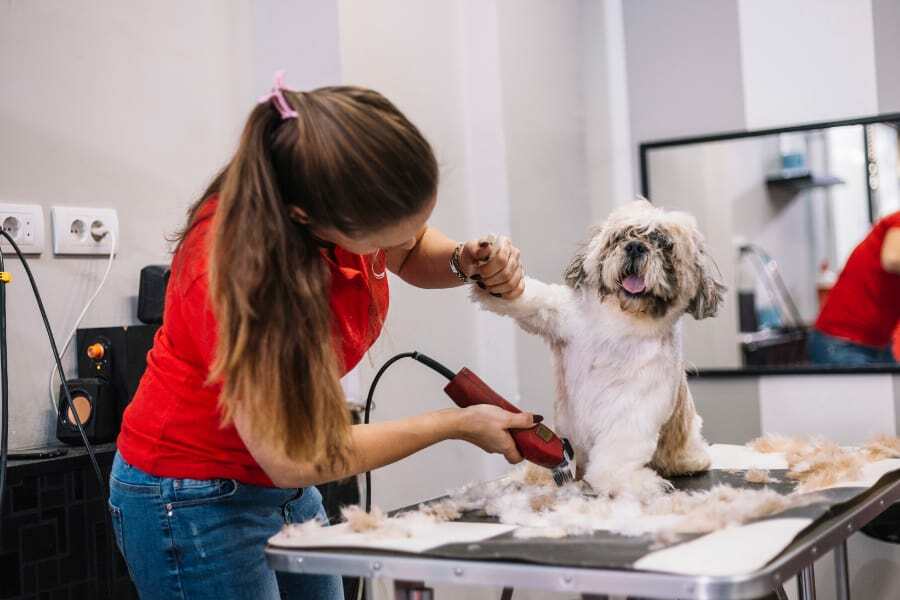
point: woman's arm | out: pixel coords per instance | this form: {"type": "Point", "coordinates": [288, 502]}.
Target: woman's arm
{"type": "Point", "coordinates": [890, 251]}
{"type": "Point", "coordinates": [426, 264]}
{"type": "Point", "coordinates": [380, 444]}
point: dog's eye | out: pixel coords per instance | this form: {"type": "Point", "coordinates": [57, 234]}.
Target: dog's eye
{"type": "Point", "coordinates": [661, 240]}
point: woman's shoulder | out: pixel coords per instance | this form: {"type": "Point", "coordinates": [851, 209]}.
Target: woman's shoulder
{"type": "Point", "coordinates": [191, 260]}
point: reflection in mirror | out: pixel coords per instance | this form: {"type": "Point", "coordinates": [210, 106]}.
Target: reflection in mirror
{"type": "Point", "coordinates": [805, 228]}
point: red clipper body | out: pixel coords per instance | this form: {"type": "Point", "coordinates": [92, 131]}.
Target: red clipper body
{"type": "Point", "coordinates": [538, 444]}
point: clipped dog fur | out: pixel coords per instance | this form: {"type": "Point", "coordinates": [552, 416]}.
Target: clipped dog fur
{"type": "Point", "coordinates": [817, 463]}
{"type": "Point", "coordinates": [528, 498]}
{"type": "Point", "coordinates": [882, 447]}
{"type": "Point", "coordinates": [547, 511]}
{"type": "Point", "coordinates": [758, 476]}
{"type": "Point", "coordinates": [361, 521]}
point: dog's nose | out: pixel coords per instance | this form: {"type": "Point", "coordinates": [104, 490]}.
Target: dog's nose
{"type": "Point", "coordinates": [635, 249]}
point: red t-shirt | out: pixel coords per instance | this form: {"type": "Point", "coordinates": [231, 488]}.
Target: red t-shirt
{"type": "Point", "coordinates": [172, 428]}
{"type": "Point", "coordinates": [864, 304]}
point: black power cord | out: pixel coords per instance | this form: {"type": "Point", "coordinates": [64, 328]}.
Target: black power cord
{"type": "Point", "coordinates": [62, 377]}
{"type": "Point", "coordinates": [428, 362]}
{"type": "Point", "coordinates": [422, 358]}
{"type": "Point", "coordinates": [4, 384]}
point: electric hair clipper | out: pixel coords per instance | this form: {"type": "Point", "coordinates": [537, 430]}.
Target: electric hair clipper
{"type": "Point", "coordinates": [538, 444]}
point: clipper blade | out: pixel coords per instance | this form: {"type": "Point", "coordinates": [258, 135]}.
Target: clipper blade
{"type": "Point", "coordinates": [564, 472]}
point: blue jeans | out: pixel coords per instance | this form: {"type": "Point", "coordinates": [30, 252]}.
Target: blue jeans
{"type": "Point", "coordinates": [192, 539]}
{"type": "Point", "coordinates": [824, 349]}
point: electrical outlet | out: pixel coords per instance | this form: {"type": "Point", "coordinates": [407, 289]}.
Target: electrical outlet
{"type": "Point", "coordinates": [80, 230]}
{"type": "Point", "coordinates": [25, 223]}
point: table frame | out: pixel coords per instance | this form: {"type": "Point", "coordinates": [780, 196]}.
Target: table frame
{"type": "Point", "coordinates": [828, 534]}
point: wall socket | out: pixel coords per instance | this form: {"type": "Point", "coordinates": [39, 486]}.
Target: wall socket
{"type": "Point", "coordinates": [25, 223]}
{"type": "Point", "coordinates": [80, 230]}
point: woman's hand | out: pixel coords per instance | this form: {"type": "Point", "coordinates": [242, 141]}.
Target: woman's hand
{"type": "Point", "coordinates": [495, 265]}
{"type": "Point", "coordinates": [488, 428]}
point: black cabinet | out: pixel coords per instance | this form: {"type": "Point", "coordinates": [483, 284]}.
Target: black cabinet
{"type": "Point", "coordinates": [55, 540]}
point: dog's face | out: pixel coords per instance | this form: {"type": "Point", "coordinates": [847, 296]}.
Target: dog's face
{"type": "Point", "coordinates": [651, 261]}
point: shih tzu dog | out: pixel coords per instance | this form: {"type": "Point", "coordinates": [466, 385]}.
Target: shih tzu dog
{"type": "Point", "coordinates": [622, 394]}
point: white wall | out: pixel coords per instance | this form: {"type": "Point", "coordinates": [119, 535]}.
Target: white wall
{"type": "Point", "coordinates": [886, 24]}
{"type": "Point", "coordinates": [112, 105]}
{"type": "Point", "coordinates": [706, 66]}
{"type": "Point", "coordinates": [684, 72]}
{"type": "Point", "coordinates": [806, 61]}
{"type": "Point", "coordinates": [422, 69]}
{"type": "Point", "coordinates": [135, 107]}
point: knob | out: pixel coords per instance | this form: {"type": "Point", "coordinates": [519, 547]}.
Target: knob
{"type": "Point", "coordinates": [96, 351]}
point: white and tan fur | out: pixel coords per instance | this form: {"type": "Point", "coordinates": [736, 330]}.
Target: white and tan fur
{"type": "Point", "coordinates": [622, 395]}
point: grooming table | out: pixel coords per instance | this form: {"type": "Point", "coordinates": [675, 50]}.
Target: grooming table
{"type": "Point", "coordinates": [603, 563]}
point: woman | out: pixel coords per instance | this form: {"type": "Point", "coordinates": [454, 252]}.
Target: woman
{"type": "Point", "coordinates": [863, 308]}
{"type": "Point", "coordinates": [278, 288]}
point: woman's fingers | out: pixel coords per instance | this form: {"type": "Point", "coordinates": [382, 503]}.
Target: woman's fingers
{"type": "Point", "coordinates": [489, 429]}
{"type": "Point", "coordinates": [520, 420]}
{"type": "Point", "coordinates": [496, 266]}
{"type": "Point", "coordinates": [512, 454]}
{"type": "Point", "coordinates": [508, 286]}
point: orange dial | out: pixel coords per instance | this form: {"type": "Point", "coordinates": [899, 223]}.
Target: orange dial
{"type": "Point", "coordinates": [96, 351]}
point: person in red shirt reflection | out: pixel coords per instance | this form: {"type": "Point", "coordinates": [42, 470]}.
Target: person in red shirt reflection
{"type": "Point", "coordinates": [857, 323]}
{"type": "Point", "coordinates": [278, 288]}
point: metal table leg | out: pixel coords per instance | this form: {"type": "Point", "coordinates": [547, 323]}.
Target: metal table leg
{"type": "Point", "coordinates": [806, 583]}
{"type": "Point", "coordinates": [412, 590]}
{"type": "Point", "coordinates": [780, 594]}
{"type": "Point", "coordinates": [841, 571]}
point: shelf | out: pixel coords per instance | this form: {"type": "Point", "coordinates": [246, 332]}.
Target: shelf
{"type": "Point", "coordinates": [802, 181]}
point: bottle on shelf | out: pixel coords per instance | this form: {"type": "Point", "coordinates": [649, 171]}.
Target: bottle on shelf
{"type": "Point", "coordinates": [824, 282]}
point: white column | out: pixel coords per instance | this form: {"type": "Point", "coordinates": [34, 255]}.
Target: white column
{"type": "Point", "coordinates": [486, 188]}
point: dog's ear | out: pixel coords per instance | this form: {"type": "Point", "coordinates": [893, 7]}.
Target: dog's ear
{"type": "Point", "coordinates": [575, 275]}
{"type": "Point", "coordinates": [710, 291]}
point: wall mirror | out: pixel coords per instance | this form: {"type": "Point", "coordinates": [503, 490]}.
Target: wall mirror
{"type": "Point", "coordinates": [782, 210]}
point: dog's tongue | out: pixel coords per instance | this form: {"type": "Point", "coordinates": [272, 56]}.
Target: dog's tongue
{"type": "Point", "coordinates": [634, 284]}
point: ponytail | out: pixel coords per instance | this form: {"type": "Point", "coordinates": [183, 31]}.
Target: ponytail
{"type": "Point", "coordinates": [270, 290]}
{"type": "Point", "coordinates": [350, 161]}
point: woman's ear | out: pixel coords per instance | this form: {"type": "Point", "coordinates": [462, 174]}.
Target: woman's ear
{"type": "Point", "coordinates": [298, 215]}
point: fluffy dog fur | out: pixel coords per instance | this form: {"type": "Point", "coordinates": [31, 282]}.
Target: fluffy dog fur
{"type": "Point", "coordinates": [622, 395]}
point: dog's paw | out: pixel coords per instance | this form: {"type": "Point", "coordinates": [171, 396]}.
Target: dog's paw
{"type": "Point", "coordinates": [697, 460]}
{"type": "Point", "coordinates": [641, 484]}
{"type": "Point", "coordinates": [489, 302]}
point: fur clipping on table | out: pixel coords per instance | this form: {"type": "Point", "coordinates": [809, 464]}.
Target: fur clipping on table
{"type": "Point", "coordinates": [361, 521]}
{"type": "Point", "coordinates": [528, 498]}
{"type": "Point", "coordinates": [818, 463]}
{"type": "Point", "coordinates": [442, 510]}
{"type": "Point", "coordinates": [379, 525]}
{"type": "Point", "coordinates": [547, 511]}
{"type": "Point", "coordinates": [882, 447]}
{"type": "Point", "coordinates": [758, 476]}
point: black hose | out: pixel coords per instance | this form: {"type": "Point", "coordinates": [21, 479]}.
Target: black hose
{"type": "Point", "coordinates": [62, 377]}
{"type": "Point", "coordinates": [422, 358]}
{"type": "Point", "coordinates": [59, 367]}
{"type": "Point", "coordinates": [4, 384]}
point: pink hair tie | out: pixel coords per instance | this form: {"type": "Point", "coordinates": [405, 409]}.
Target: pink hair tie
{"type": "Point", "coordinates": [284, 109]}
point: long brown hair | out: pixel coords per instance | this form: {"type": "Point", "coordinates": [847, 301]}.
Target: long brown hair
{"type": "Point", "coordinates": [351, 161]}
